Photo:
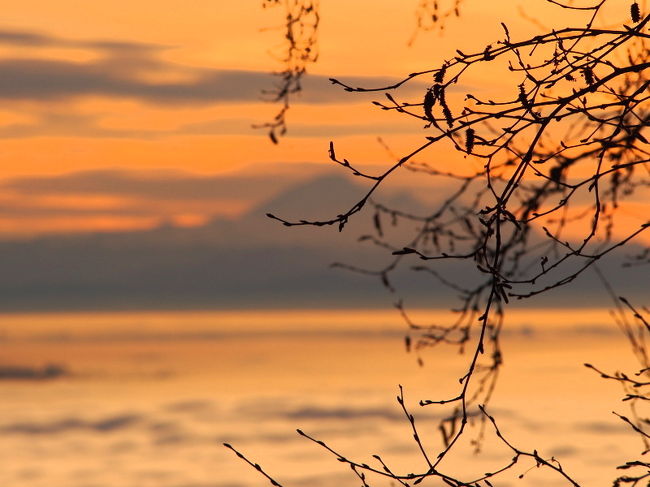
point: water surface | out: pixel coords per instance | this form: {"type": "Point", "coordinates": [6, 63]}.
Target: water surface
{"type": "Point", "coordinates": [148, 398]}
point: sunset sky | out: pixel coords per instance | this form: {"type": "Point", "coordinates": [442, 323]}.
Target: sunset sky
{"type": "Point", "coordinates": [125, 115]}
{"type": "Point", "coordinates": [98, 97]}
{"type": "Point", "coordinates": [150, 312]}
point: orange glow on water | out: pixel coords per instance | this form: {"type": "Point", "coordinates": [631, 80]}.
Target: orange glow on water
{"type": "Point", "coordinates": [251, 322]}
{"type": "Point", "coordinates": [148, 397]}
{"type": "Point", "coordinates": [138, 396]}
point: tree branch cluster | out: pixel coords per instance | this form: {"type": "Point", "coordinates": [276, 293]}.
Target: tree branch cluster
{"type": "Point", "coordinates": [559, 149]}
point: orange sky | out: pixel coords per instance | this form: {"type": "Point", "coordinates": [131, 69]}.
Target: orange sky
{"type": "Point", "coordinates": [89, 119]}
{"type": "Point", "coordinates": [197, 35]}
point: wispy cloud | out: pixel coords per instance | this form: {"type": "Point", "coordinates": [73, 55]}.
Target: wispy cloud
{"type": "Point", "coordinates": [152, 196]}
{"type": "Point", "coordinates": [58, 124]}
{"type": "Point", "coordinates": [125, 69]}
{"type": "Point", "coordinates": [160, 184]}
{"type": "Point", "coordinates": [243, 126]}
{"type": "Point", "coordinates": [25, 38]}
{"type": "Point", "coordinates": [40, 79]}
{"type": "Point", "coordinates": [103, 425]}
{"type": "Point", "coordinates": [49, 85]}
{"type": "Point", "coordinates": [55, 123]}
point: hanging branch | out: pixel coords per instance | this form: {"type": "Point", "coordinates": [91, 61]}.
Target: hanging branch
{"type": "Point", "coordinates": [636, 387]}
{"type": "Point", "coordinates": [299, 49]}
{"type": "Point", "coordinates": [429, 15]}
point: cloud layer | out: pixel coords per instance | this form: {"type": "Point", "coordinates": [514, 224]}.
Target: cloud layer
{"type": "Point", "coordinates": [123, 69]}
{"type": "Point", "coordinates": [44, 77]}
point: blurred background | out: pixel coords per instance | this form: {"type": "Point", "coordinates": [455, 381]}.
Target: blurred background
{"type": "Point", "coordinates": [150, 310]}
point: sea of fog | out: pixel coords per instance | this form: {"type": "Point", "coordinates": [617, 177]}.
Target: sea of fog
{"type": "Point", "coordinates": [148, 399]}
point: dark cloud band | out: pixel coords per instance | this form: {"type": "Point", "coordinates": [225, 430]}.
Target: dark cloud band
{"type": "Point", "coordinates": [124, 69]}
{"type": "Point", "coordinates": [38, 79]}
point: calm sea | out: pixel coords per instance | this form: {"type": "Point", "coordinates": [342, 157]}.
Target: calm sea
{"type": "Point", "coordinates": [147, 399]}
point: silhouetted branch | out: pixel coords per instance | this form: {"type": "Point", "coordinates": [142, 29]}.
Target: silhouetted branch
{"type": "Point", "coordinates": [256, 466]}
{"type": "Point", "coordinates": [429, 15]}
{"type": "Point", "coordinates": [635, 388]}
{"type": "Point", "coordinates": [563, 142]}
{"type": "Point", "coordinates": [299, 49]}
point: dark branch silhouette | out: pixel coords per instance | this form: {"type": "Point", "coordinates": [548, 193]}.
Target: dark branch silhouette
{"type": "Point", "coordinates": [299, 49]}
{"type": "Point", "coordinates": [562, 147]}
{"type": "Point", "coordinates": [433, 15]}
{"type": "Point", "coordinates": [636, 387]}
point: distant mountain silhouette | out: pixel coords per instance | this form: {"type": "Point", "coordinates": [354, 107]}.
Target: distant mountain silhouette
{"type": "Point", "coordinates": [248, 262]}
{"type": "Point", "coordinates": [318, 198]}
